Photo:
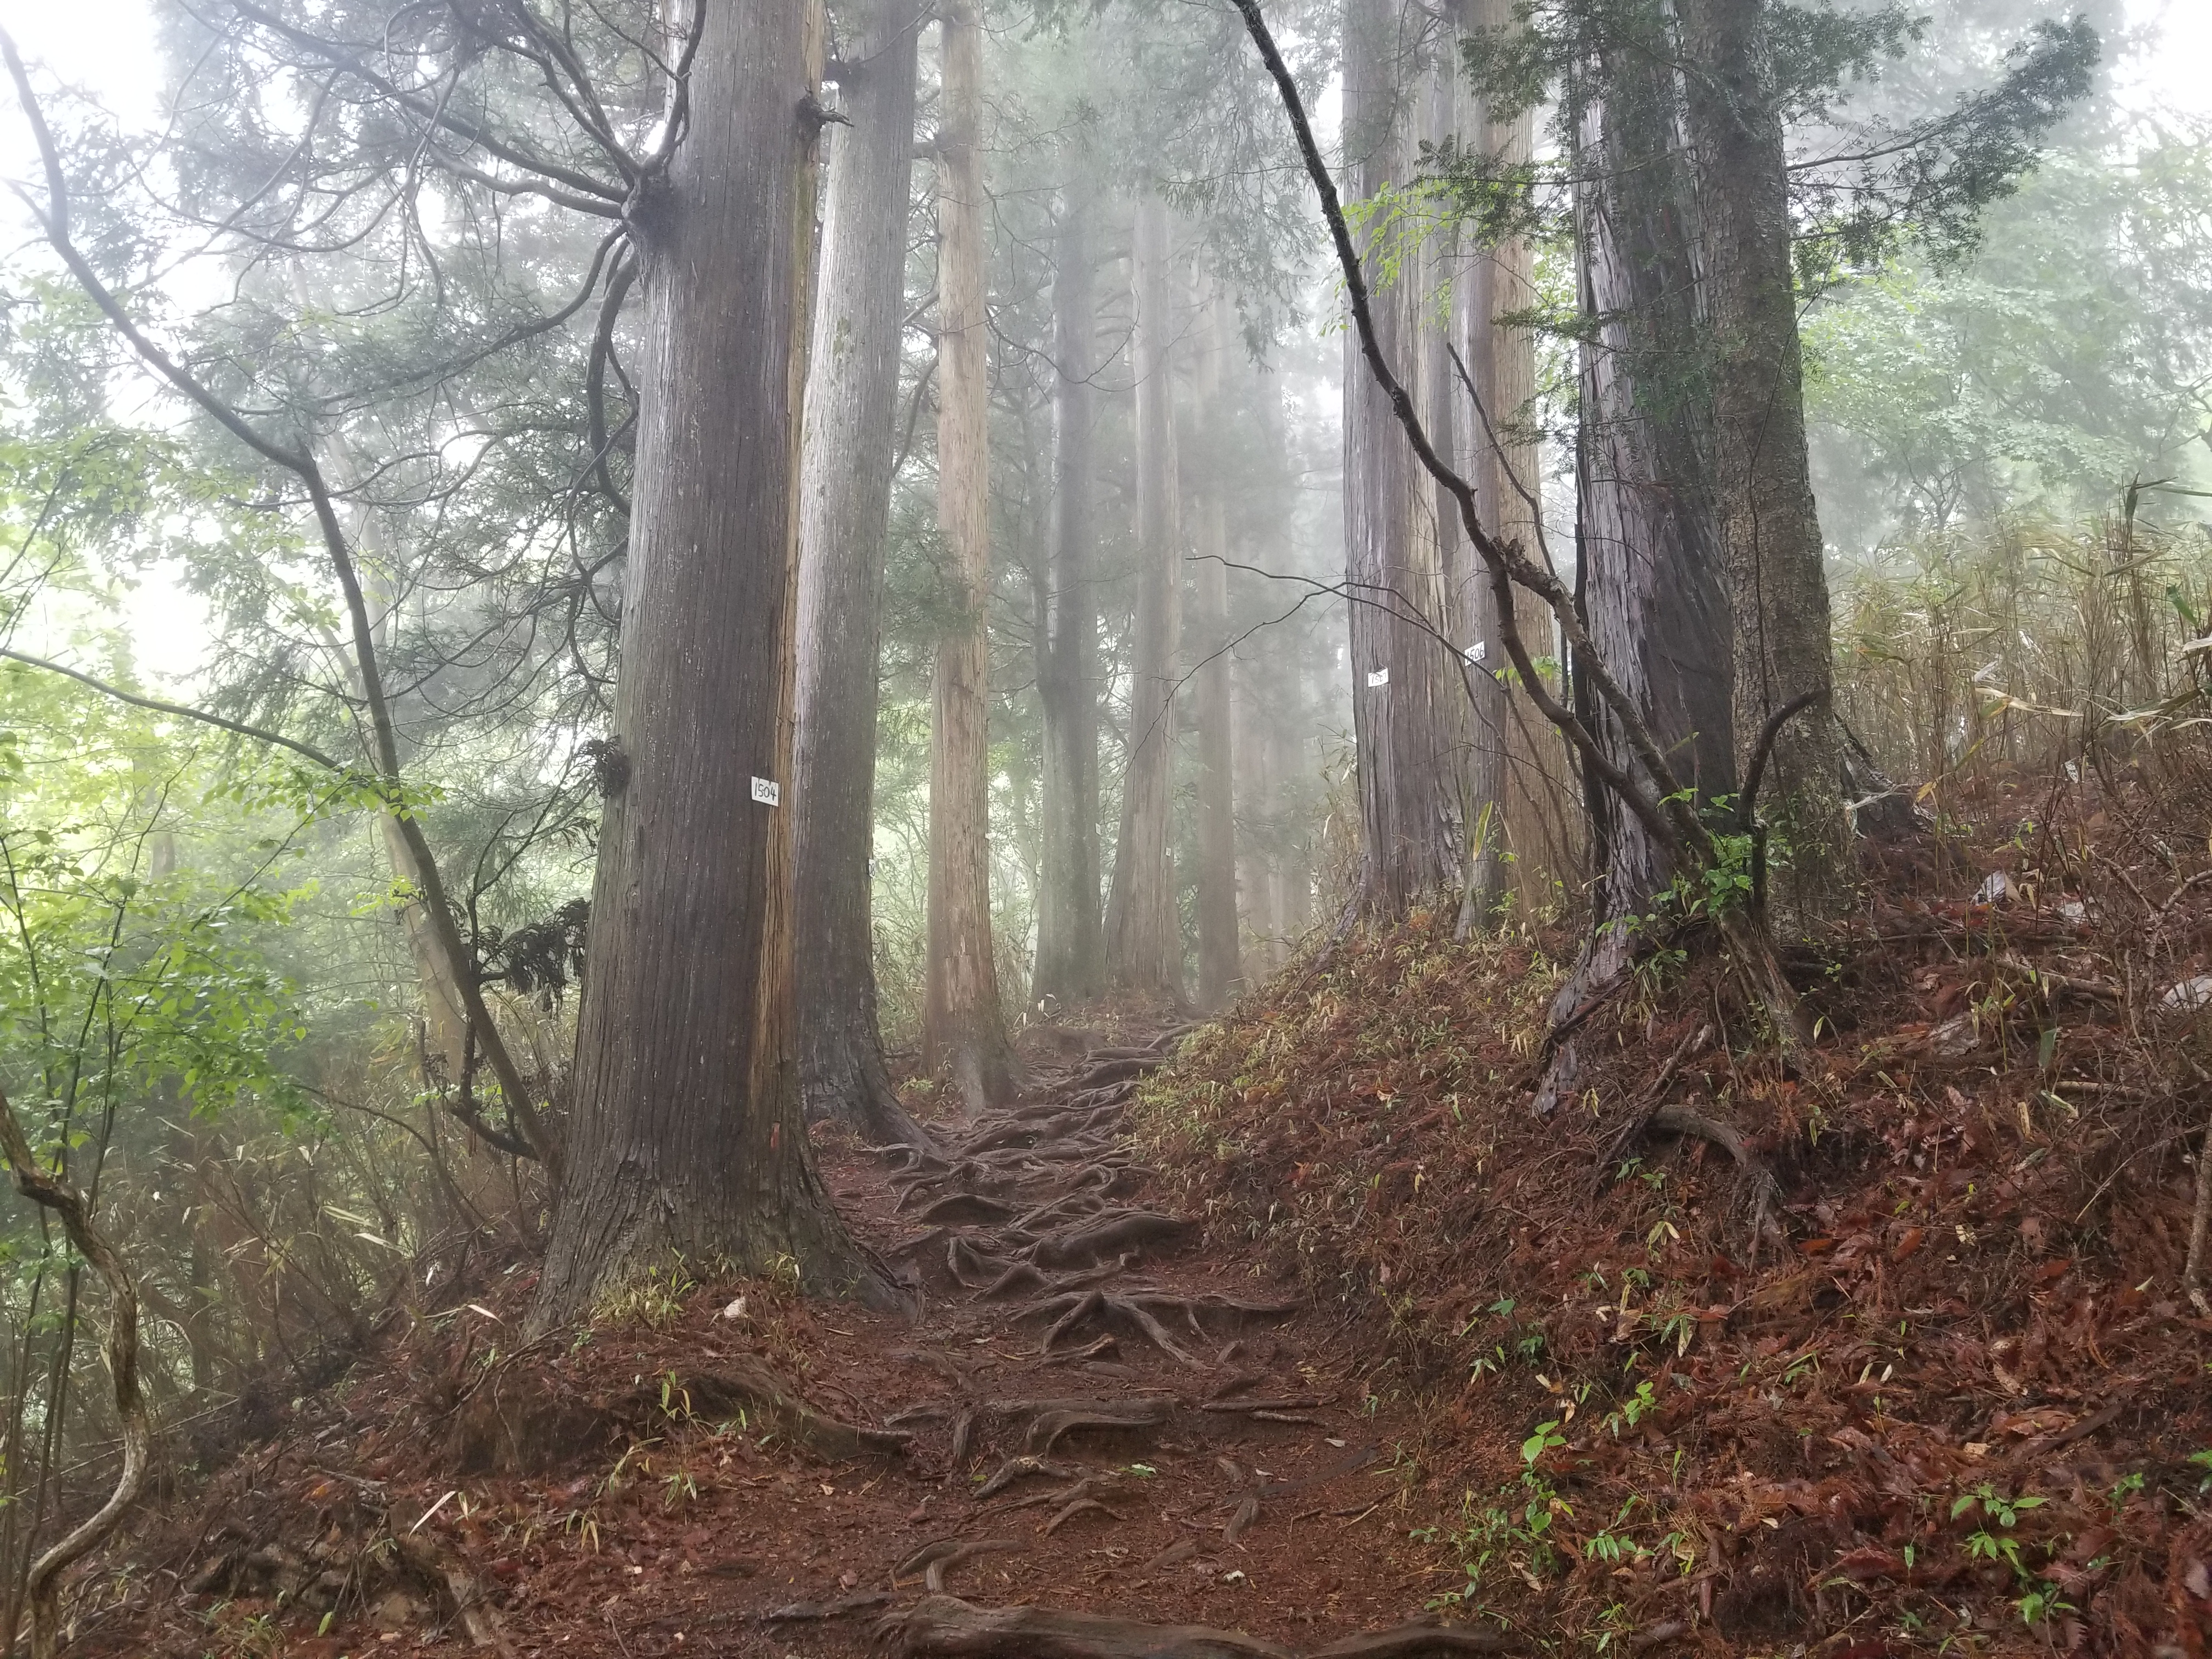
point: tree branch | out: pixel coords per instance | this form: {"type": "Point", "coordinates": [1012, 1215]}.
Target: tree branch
{"type": "Point", "coordinates": [183, 712]}
{"type": "Point", "coordinates": [54, 221]}
{"type": "Point", "coordinates": [41, 1187]}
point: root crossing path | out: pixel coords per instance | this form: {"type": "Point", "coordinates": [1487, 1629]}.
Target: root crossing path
{"type": "Point", "coordinates": [1123, 1445]}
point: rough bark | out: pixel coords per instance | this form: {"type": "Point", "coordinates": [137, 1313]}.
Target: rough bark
{"type": "Point", "coordinates": [1462, 435]}
{"type": "Point", "coordinates": [1770, 531]}
{"type": "Point", "coordinates": [1653, 590]}
{"type": "Point", "coordinates": [688, 1136]}
{"type": "Point", "coordinates": [846, 456]}
{"type": "Point", "coordinates": [1219, 972]}
{"type": "Point", "coordinates": [1408, 703]}
{"type": "Point", "coordinates": [963, 1030]}
{"type": "Point", "coordinates": [1144, 944]}
{"type": "Point", "coordinates": [1071, 934]}
{"type": "Point", "coordinates": [1535, 787]}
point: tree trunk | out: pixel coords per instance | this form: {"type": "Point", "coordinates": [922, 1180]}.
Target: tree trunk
{"type": "Point", "coordinates": [1071, 937]}
{"type": "Point", "coordinates": [845, 482]}
{"type": "Point", "coordinates": [964, 1030]}
{"type": "Point", "coordinates": [1536, 788]}
{"type": "Point", "coordinates": [1654, 598]}
{"type": "Point", "coordinates": [688, 1139]}
{"type": "Point", "coordinates": [1409, 705]}
{"type": "Point", "coordinates": [1220, 976]}
{"type": "Point", "coordinates": [1144, 942]}
{"type": "Point", "coordinates": [1770, 531]}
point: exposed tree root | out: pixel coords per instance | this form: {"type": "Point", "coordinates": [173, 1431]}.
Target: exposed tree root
{"type": "Point", "coordinates": [944, 1627]}
{"type": "Point", "coordinates": [939, 1555]}
{"type": "Point", "coordinates": [1248, 1511]}
{"type": "Point", "coordinates": [1107, 1233]}
{"type": "Point", "coordinates": [972, 1267]}
{"type": "Point", "coordinates": [1098, 1350]}
{"type": "Point", "coordinates": [1080, 1506]}
{"type": "Point", "coordinates": [807, 1612]}
{"type": "Point", "coordinates": [1049, 1420]}
{"type": "Point", "coordinates": [1023, 1469]}
{"type": "Point", "coordinates": [970, 1206]}
{"type": "Point", "coordinates": [744, 1382]}
{"type": "Point", "coordinates": [1764, 1191]}
{"type": "Point", "coordinates": [1262, 1406]}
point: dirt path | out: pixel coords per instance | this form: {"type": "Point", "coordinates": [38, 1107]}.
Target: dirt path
{"type": "Point", "coordinates": [1109, 1422]}
{"type": "Point", "coordinates": [1122, 1445]}
{"type": "Point", "coordinates": [1098, 1440]}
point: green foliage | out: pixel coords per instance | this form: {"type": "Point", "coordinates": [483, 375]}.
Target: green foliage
{"type": "Point", "coordinates": [2068, 356]}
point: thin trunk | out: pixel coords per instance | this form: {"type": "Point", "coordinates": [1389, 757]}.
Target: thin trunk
{"type": "Point", "coordinates": [964, 1030]}
{"type": "Point", "coordinates": [1770, 531]}
{"type": "Point", "coordinates": [1071, 936]}
{"type": "Point", "coordinates": [688, 1137]}
{"type": "Point", "coordinates": [846, 461]}
{"type": "Point", "coordinates": [1409, 705]}
{"type": "Point", "coordinates": [1220, 973]}
{"type": "Point", "coordinates": [1144, 942]}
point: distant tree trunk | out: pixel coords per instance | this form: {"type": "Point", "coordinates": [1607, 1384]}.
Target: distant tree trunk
{"type": "Point", "coordinates": [1653, 596]}
{"type": "Point", "coordinates": [1409, 706]}
{"type": "Point", "coordinates": [688, 1137]}
{"type": "Point", "coordinates": [1536, 790]}
{"type": "Point", "coordinates": [1071, 936]}
{"type": "Point", "coordinates": [1770, 531]}
{"type": "Point", "coordinates": [845, 460]}
{"type": "Point", "coordinates": [1257, 912]}
{"type": "Point", "coordinates": [964, 1028]}
{"type": "Point", "coordinates": [1143, 941]}
{"type": "Point", "coordinates": [1220, 974]}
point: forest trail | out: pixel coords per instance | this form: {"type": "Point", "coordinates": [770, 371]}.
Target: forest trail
{"type": "Point", "coordinates": [1124, 1443]}
{"type": "Point", "coordinates": [1098, 1439]}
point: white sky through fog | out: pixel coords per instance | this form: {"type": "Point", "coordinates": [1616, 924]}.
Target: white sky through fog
{"type": "Point", "coordinates": [105, 49]}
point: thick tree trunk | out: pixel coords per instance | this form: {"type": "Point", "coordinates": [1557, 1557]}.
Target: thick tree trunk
{"type": "Point", "coordinates": [688, 1139]}
{"type": "Point", "coordinates": [1144, 943]}
{"type": "Point", "coordinates": [964, 1029]}
{"type": "Point", "coordinates": [1409, 705]}
{"type": "Point", "coordinates": [1458, 428]}
{"type": "Point", "coordinates": [1220, 974]}
{"type": "Point", "coordinates": [1536, 788]}
{"type": "Point", "coordinates": [1071, 935]}
{"type": "Point", "coordinates": [1653, 594]}
{"type": "Point", "coordinates": [846, 460]}
{"type": "Point", "coordinates": [1770, 532]}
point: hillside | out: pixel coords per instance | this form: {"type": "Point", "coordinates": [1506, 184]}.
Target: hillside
{"type": "Point", "coordinates": [1317, 1339]}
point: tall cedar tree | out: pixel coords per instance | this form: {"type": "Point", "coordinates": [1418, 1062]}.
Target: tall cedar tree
{"type": "Point", "coordinates": [1144, 941]}
{"type": "Point", "coordinates": [845, 482]}
{"type": "Point", "coordinates": [1654, 592]}
{"type": "Point", "coordinates": [1532, 787]}
{"type": "Point", "coordinates": [1071, 956]}
{"type": "Point", "coordinates": [964, 1029]}
{"type": "Point", "coordinates": [1409, 703]}
{"type": "Point", "coordinates": [1770, 531]}
{"type": "Point", "coordinates": [1218, 969]}
{"type": "Point", "coordinates": [688, 1137]}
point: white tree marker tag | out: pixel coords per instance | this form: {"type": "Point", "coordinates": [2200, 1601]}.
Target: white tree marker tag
{"type": "Point", "coordinates": [767, 793]}
{"type": "Point", "coordinates": [1378, 677]}
{"type": "Point", "coordinates": [1475, 652]}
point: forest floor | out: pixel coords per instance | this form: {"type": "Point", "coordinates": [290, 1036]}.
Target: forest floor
{"type": "Point", "coordinates": [1317, 1339]}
